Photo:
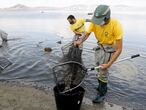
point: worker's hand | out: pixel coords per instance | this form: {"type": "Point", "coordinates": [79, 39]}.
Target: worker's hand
{"type": "Point", "coordinates": [77, 43]}
{"type": "Point", "coordinates": [105, 66]}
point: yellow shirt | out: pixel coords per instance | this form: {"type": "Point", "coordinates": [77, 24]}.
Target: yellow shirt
{"type": "Point", "coordinates": [78, 26]}
{"type": "Point", "coordinates": [107, 34]}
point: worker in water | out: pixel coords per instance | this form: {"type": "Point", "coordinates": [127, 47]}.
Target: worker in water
{"type": "Point", "coordinates": [108, 32]}
{"type": "Point", "coordinates": [78, 27]}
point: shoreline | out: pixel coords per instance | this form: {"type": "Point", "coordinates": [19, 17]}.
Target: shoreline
{"type": "Point", "coordinates": [26, 97]}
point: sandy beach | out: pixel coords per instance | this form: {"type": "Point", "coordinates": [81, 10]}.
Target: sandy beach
{"type": "Point", "coordinates": [24, 97]}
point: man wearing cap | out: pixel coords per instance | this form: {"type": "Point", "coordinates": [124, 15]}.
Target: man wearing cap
{"type": "Point", "coordinates": [108, 32]}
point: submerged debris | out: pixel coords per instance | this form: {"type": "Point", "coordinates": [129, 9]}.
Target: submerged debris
{"type": "Point", "coordinates": [47, 49]}
{"type": "Point", "coordinates": [4, 62]}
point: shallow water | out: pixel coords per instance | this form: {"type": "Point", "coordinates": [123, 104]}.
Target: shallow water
{"type": "Point", "coordinates": [31, 32]}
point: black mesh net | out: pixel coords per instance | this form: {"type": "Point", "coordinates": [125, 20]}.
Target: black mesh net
{"type": "Point", "coordinates": [71, 72]}
{"type": "Point", "coordinates": [65, 48]}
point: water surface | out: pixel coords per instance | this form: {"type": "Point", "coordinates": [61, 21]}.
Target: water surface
{"type": "Point", "coordinates": [30, 32]}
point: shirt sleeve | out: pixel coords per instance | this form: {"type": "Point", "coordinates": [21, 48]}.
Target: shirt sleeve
{"type": "Point", "coordinates": [118, 30]}
{"type": "Point", "coordinates": [83, 20]}
{"type": "Point", "coordinates": [72, 28]}
{"type": "Point", "coordinates": [90, 28]}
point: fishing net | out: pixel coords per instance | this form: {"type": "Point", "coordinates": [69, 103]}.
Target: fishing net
{"type": "Point", "coordinates": [72, 72]}
{"type": "Point", "coordinates": [65, 48]}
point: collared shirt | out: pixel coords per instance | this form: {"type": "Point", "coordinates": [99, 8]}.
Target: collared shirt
{"type": "Point", "coordinates": [78, 26]}
{"type": "Point", "coordinates": [107, 34]}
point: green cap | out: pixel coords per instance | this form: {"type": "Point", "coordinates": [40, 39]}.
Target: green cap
{"type": "Point", "coordinates": [100, 13]}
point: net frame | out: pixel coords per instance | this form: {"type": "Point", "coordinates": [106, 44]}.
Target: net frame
{"type": "Point", "coordinates": [59, 79]}
{"type": "Point", "coordinates": [65, 48]}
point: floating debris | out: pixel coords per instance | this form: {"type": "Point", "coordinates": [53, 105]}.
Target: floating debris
{"type": "Point", "coordinates": [47, 49]}
{"type": "Point", "coordinates": [4, 62]}
{"type": "Point", "coordinates": [59, 42]}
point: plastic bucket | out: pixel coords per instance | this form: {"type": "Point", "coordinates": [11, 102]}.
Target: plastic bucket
{"type": "Point", "coordinates": [68, 101]}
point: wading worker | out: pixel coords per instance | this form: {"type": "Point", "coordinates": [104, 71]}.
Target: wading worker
{"type": "Point", "coordinates": [108, 32]}
{"type": "Point", "coordinates": [78, 27]}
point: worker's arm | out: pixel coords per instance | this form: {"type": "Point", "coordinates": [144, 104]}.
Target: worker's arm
{"type": "Point", "coordinates": [77, 33]}
{"type": "Point", "coordinates": [81, 40]}
{"type": "Point", "coordinates": [90, 29]}
{"type": "Point", "coordinates": [115, 55]}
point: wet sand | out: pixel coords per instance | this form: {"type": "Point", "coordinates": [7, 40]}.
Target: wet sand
{"type": "Point", "coordinates": [25, 97]}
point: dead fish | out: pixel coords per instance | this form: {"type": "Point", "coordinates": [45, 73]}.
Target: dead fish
{"type": "Point", "coordinates": [47, 49]}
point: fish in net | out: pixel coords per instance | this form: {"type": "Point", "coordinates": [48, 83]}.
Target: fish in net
{"type": "Point", "coordinates": [71, 72]}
